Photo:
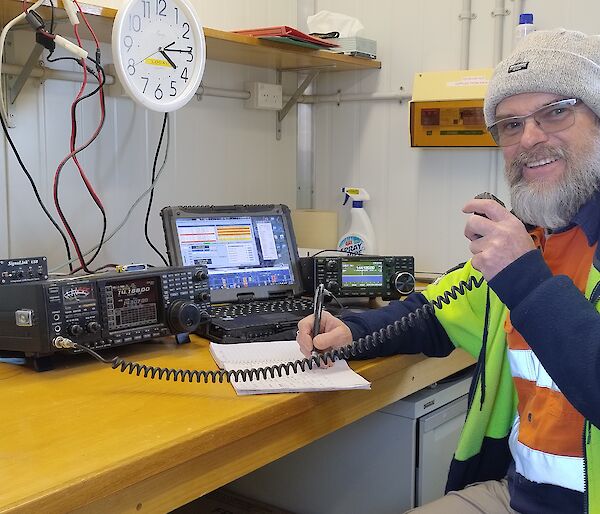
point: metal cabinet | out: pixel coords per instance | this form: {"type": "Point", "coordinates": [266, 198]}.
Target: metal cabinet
{"type": "Point", "coordinates": [387, 462]}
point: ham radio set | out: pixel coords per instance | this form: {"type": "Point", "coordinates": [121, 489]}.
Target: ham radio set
{"type": "Point", "coordinates": [388, 277]}
{"type": "Point", "coordinates": [103, 310]}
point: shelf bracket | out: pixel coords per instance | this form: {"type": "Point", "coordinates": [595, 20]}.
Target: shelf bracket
{"type": "Point", "coordinates": [293, 100]}
{"type": "Point", "coordinates": [32, 61]}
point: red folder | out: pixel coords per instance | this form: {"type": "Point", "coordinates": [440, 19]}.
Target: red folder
{"type": "Point", "coordinates": [284, 31]}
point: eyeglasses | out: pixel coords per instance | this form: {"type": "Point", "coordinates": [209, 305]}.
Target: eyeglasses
{"type": "Point", "coordinates": [551, 118]}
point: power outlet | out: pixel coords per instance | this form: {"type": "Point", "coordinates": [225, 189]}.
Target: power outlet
{"type": "Point", "coordinates": [264, 96]}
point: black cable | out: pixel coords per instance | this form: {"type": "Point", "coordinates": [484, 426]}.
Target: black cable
{"type": "Point", "coordinates": [347, 252]}
{"type": "Point", "coordinates": [162, 133]}
{"type": "Point", "coordinates": [334, 298]}
{"type": "Point", "coordinates": [353, 349]}
{"type": "Point", "coordinates": [35, 190]}
{"type": "Point", "coordinates": [51, 17]}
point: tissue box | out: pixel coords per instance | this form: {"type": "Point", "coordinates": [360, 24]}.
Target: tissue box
{"type": "Point", "coordinates": [355, 45]}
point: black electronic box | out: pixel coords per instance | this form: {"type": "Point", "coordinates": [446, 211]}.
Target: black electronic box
{"type": "Point", "coordinates": [27, 269]}
{"type": "Point", "coordinates": [102, 310]}
{"type": "Point", "coordinates": [388, 277]}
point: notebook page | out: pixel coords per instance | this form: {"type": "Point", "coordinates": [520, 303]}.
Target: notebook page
{"type": "Point", "coordinates": [252, 355]}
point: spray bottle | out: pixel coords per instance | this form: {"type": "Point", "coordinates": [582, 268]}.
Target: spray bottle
{"type": "Point", "coordinates": [360, 237]}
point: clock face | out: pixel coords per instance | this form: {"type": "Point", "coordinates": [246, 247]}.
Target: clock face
{"type": "Point", "coordinates": [159, 52]}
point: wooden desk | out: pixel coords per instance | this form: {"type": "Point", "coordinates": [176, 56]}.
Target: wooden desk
{"type": "Point", "coordinates": [87, 438]}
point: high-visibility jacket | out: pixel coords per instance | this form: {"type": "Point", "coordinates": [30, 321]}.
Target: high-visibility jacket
{"type": "Point", "coordinates": [473, 318]}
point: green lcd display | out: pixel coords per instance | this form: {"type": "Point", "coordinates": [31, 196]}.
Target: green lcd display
{"type": "Point", "coordinates": [362, 274]}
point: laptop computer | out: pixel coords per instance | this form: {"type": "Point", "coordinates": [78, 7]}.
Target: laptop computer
{"type": "Point", "coordinates": [253, 267]}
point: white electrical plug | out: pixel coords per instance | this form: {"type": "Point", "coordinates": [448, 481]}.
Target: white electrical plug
{"type": "Point", "coordinates": [71, 47]}
{"type": "Point", "coordinates": [71, 8]}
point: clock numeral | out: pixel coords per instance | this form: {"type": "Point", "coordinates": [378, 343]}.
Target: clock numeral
{"type": "Point", "coordinates": [158, 92]}
{"type": "Point", "coordinates": [186, 30]}
{"type": "Point", "coordinates": [131, 67]}
{"type": "Point", "coordinates": [161, 7]}
{"type": "Point", "coordinates": [190, 55]}
{"type": "Point", "coordinates": [146, 4]}
{"type": "Point", "coordinates": [176, 16]}
{"type": "Point", "coordinates": [184, 74]}
{"type": "Point", "coordinates": [147, 79]}
{"type": "Point", "coordinates": [128, 42]}
{"type": "Point", "coordinates": [173, 89]}
{"type": "Point", "coordinates": [135, 22]}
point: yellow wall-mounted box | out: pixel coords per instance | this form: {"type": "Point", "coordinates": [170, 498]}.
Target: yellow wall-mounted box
{"type": "Point", "coordinates": [446, 109]}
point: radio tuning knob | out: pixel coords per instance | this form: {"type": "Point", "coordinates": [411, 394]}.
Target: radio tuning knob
{"type": "Point", "coordinates": [333, 286]}
{"type": "Point", "coordinates": [403, 282]}
{"type": "Point", "coordinates": [75, 330]}
{"type": "Point", "coordinates": [184, 316]}
{"type": "Point", "coordinates": [93, 327]}
{"type": "Point", "coordinates": [331, 265]}
{"type": "Point", "coordinates": [200, 275]}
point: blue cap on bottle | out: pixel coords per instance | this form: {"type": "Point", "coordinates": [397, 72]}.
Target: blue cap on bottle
{"type": "Point", "coordinates": [525, 18]}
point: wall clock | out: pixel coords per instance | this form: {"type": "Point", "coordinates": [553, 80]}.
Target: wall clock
{"type": "Point", "coordinates": [159, 52]}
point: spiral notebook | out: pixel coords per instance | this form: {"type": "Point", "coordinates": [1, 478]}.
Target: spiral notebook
{"type": "Point", "coordinates": [257, 355]}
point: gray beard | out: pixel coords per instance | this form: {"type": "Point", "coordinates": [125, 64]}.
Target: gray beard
{"type": "Point", "coordinates": [553, 205]}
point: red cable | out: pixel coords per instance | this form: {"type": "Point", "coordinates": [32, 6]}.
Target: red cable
{"type": "Point", "coordinates": [74, 151]}
{"type": "Point", "coordinates": [87, 23]}
{"type": "Point", "coordinates": [72, 155]}
{"type": "Point", "coordinates": [102, 110]}
{"type": "Point", "coordinates": [57, 175]}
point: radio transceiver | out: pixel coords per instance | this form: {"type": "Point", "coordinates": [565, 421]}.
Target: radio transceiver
{"type": "Point", "coordinates": [102, 310]}
{"type": "Point", "coordinates": [388, 277]}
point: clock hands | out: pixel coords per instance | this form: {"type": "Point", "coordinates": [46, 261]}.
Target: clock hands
{"type": "Point", "coordinates": [168, 59]}
{"type": "Point", "coordinates": [160, 50]}
{"type": "Point", "coordinates": [178, 50]}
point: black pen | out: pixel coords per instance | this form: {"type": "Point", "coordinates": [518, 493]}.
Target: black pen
{"type": "Point", "coordinates": [317, 311]}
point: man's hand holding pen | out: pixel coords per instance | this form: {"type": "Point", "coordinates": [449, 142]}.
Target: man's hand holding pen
{"type": "Point", "coordinates": [331, 332]}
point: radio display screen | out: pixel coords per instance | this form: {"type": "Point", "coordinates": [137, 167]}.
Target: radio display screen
{"type": "Point", "coordinates": [362, 274]}
{"type": "Point", "coordinates": [132, 303]}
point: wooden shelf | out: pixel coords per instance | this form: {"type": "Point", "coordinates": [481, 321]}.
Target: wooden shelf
{"type": "Point", "coordinates": [235, 48]}
{"type": "Point", "coordinates": [223, 46]}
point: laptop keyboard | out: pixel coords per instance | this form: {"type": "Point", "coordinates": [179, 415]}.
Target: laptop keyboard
{"type": "Point", "coordinates": [302, 305]}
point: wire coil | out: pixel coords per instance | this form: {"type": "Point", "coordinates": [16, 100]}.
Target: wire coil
{"type": "Point", "coordinates": [353, 349]}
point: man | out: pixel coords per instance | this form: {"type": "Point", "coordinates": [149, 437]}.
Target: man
{"type": "Point", "coordinates": [531, 440]}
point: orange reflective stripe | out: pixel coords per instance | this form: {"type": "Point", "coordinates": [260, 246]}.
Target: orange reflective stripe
{"type": "Point", "coordinates": [549, 423]}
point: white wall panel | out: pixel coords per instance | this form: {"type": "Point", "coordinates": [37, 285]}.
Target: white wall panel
{"type": "Point", "coordinates": [223, 153]}
{"type": "Point", "coordinates": [417, 194]}
{"type": "Point", "coordinates": [244, 14]}
{"type": "Point", "coordinates": [220, 153]}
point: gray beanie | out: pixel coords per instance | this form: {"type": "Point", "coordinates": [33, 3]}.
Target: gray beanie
{"type": "Point", "coordinates": [562, 62]}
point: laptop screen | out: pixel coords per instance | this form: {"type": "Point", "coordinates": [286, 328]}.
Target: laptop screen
{"type": "Point", "coordinates": [244, 251]}
{"type": "Point", "coordinates": [247, 249]}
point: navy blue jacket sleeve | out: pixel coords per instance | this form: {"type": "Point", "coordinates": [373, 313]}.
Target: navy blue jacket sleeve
{"type": "Point", "coordinates": [426, 336]}
{"type": "Point", "coordinates": [559, 324]}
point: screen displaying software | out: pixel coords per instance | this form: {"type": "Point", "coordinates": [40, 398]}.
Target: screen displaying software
{"type": "Point", "coordinates": [244, 251]}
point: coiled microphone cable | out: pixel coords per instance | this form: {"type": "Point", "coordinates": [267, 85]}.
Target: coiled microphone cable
{"type": "Point", "coordinates": [354, 349]}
